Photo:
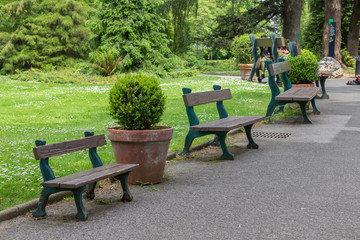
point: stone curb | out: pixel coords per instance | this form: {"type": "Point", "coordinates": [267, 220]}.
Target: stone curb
{"type": "Point", "coordinates": [57, 197]}
{"type": "Point", "coordinates": [28, 206]}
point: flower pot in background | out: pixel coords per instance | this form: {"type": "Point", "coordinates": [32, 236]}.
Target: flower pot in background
{"type": "Point", "coordinates": [245, 70]}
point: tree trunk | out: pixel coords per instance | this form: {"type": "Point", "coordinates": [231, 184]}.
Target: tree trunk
{"type": "Point", "coordinates": [354, 30]}
{"type": "Point", "coordinates": [332, 11]}
{"type": "Point", "coordinates": [291, 21]}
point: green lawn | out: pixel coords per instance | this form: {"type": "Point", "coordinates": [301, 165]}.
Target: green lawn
{"type": "Point", "coordinates": [60, 112]}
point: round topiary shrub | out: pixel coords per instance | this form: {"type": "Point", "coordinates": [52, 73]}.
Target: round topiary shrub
{"type": "Point", "coordinates": [304, 68]}
{"type": "Point", "coordinates": [136, 102]}
{"type": "Point", "coordinates": [241, 48]}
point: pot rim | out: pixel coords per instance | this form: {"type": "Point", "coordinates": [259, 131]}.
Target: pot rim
{"type": "Point", "coordinates": [158, 128]}
{"type": "Point", "coordinates": [155, 135]}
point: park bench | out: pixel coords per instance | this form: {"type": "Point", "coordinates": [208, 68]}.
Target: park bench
{"type": "Point", "coordinates": [218, 127]}
{"type": "Point", "coordinates": [273, 42]}
{"type": "Point", "coordinates": [301, 95]}
{"type": "Point", "coordinates": [77, 182]}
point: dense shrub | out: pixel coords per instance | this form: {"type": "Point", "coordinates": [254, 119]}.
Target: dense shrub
{"type": "Point", "coordinates": [136, 101]}
{"type": "Point", "coordinates": [241, 49]}
{"type": "Point", "coordinates": [347, 59]}
{"type": "Point", "coordinates": [106, 61]}
{"type": "Point", "coordinates": [38, 32]}
{"type": "Point", "coordinates": [304, 68]}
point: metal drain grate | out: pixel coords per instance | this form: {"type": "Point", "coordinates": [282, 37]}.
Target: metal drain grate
{"type": "Point", "coordinates": [270, 135]}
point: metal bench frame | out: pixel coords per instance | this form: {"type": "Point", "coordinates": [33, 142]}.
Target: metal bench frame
{"type": "Point", "coordinates": [299, 95]}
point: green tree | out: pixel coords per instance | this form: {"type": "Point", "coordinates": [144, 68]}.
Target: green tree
{"type": "Point", "coordinates": [134, 29]}
{"type": "Point", "coordinates": [312, 35]}
{"type": "Point", "coordinates": [37, 32]}
{"type": "Point", "coordinates": [354, 30]}
{"type": "Point", "coordinates": [177, 12]}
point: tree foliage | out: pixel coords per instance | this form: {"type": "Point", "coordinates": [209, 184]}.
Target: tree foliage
{"type": "Point", "coordinates": [38, 32]}
{"type": "Point", "coordinates": [312, 36]}
{"type": "Point", "coordinates": [177, 13]}
{"type": "Point", "coordinates": [238, 21]}
{"type": "Point", "coordinates": [134, 29]}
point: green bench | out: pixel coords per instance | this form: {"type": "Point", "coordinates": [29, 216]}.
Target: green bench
{"type": "Point", "coordinates": [218, 127]}
{"type": "Point", "coordinates": [273, 42]}
{"type": "Point", "coordinates": [77, 182]}
{"type": "Point", "coordinates": [300, 95]}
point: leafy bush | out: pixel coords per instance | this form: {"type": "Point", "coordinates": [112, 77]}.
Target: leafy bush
{"type": "Point", "coordinates": [241, 49]}
{"type": "Point", "coordinates": [347, 59]}
{"type": "Point", "coordinates": [106, 61]}
{"type": "Point", "coordinates": [47, 67]}
{"type": "Point", "coordinates": [136, 101]}
{"type": "Point", "coordinates": [304, 68]}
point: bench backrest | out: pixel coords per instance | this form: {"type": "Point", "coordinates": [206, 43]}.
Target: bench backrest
{"type": "Point", "coordinates": [267, 42]}
{"type": "Point", "coordinates": [194, 99]}
{"type": "Point", "coordinates": [46, 151]}
{"type": "Point", "coordinates": [43, 151]}
{"type": "Point", "coordinates": [280, 67]}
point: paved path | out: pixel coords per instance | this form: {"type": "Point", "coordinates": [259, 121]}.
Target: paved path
{"type": "Point", "coordinates": [304, 186]}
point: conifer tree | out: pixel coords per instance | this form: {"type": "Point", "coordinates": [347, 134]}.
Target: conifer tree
{"type": "Point", "coordinates": [37, 32]}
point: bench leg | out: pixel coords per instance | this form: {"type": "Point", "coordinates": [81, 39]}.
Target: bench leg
{"type": "Point", "coordinates": [188, 141]}
{"type": "Point", "coordinates": [270, 109]}
{"type": "Point", "coordinates": [303, 111]}
{"type": "Point", "coordinates": [127, 196]}
{"type": "Point", "coordinates": [315, 110]}
{"type": "Point", "coordinates": [214, 142]}
{"type": "Point", "coordinates": [44, 197]}
{"type": "Point", "coordinates": [90, 193]}
{"type": "Point", "coordinates": [252, 144]}
{"type": "Point", "coordinates": [226, 154]}
{"type": "Point", "coordinates": [281, 109]}
{"type": "Point", "coordinates": [81, 212]}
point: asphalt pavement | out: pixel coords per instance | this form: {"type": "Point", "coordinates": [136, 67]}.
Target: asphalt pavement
{"type": "Point", "coordinates": [302, 183]}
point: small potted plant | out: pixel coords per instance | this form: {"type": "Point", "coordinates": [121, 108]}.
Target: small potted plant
{"type": "Point", "coordinates": [241, 49]}
{"type": "Point", "coordinates": [304, 69]}
{"type": "Point", "coordinates": [137, 104]}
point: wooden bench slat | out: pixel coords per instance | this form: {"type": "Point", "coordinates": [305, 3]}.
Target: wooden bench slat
{"type": "Point", "coordinates": [57, 181]}
{"type": "Point", "coordinates": [194, 99]}
{"type": "Point", "coordinates": [298, 94]}
{"type": "Point", "coordinates": [277, 68]}
{"type": "Point", "coordinates": [55, 149]}
{"type": "Point", "coordinates": [92, 175]}
{"type": "Point", "coordinates": [227, 124]}
{"type": "Point", "coordinates": [266, 42]}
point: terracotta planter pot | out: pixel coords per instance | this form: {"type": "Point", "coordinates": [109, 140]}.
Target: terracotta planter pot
{"type": "Point", "coordinates": [148, 148]}
{"type": "Point", "coordinates": [245, 70]}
